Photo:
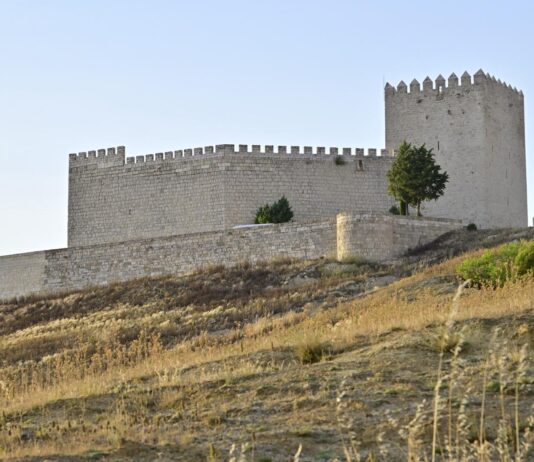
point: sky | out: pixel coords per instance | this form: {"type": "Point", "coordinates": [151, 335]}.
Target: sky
{"type": "Point", "coordinates": [161, 75]}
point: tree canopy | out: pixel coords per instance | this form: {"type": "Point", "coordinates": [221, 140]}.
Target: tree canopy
{"type": "Point", "coordinates": [278, 212]}
{"type": "Point", "coordinates": [415, 177]}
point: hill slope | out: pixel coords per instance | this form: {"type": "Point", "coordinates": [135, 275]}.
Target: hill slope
{"type": "Point", "coordinates": [333, 357]}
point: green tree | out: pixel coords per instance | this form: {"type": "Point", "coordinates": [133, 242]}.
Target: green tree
{"type": "Point", "coordinates": [415, 177]}
{"type": "Point", "coordinates": [281, 211]}
{"type": "Point", "coordinates": [278, 212]}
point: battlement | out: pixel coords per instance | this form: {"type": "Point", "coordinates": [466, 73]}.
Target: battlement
{"type": "Point", "coordinates": [216, 187]}
{"type": "Point", "coordinates": [173, 211]}
{"type": "Point", "coordinates": [105, 157]}
{"type": "Point", "coordinates": [256, 149]}
{"type": "Point", "coordinates": [475, 126]}
{"type": "Point", "coordinates": [117, 156]}
{"type": "Point", "coordinates": [452, 85]}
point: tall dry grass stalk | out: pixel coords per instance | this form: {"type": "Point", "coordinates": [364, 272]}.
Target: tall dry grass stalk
{"type": "Point", "coordinates": [445, 430]}
{"type": "Point", "coordinates": [442, 429]}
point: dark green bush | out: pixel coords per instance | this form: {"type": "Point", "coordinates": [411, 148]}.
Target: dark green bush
{"type": "Point", "coordinates": [281, 211]}
{"type": "Point", "coordinates": [394, 210]}
{"type": "Point", "coordinates": [471, 227]}
{"type": "Point", "coordinates": [278, 212]}
{"type": "Point", "coordinates": [338, 160]}
{"type": "Point", "coordinates": [496, 266]}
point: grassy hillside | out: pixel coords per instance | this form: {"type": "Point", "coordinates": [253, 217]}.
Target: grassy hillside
{"type": "Point", "coordinates": [342, 360]}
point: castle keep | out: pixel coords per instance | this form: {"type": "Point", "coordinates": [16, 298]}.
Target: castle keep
{"type": "Point", "coordinates": [171, 212]}
{"type": "Point", "coordinates": [477, 132]}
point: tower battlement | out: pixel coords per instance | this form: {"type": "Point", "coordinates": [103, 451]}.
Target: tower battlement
{"type": "Point", "coordinates": [475, 125]}
{"type": "Point", "coordinates": [452, 86]}
{"type": "Point", "coordinates": [173, 211]}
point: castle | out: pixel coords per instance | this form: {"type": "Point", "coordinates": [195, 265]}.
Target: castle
{"type": "Point", "coordinates": [173, 211]}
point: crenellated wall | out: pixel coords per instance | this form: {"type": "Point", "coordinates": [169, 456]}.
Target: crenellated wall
{"type": "Point", "coordinates": [119, 200]}
{"type": "Point", "coordinates": [474, 125]}
{"type": "Point", "coordinates": [171, 212]}
{"type": "Point", "coordinates": [113, 198]}
{"type": "Point", "coordinates": [476, 128]}
{"type": "Point", "coordinates": [317, 182]}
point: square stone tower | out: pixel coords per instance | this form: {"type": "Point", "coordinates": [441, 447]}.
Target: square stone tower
{"type": "Point", "coordinates": [477, 132]}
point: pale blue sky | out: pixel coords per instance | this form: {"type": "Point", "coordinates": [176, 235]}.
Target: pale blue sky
{"type": "Point", "coordinates": [158, 75]}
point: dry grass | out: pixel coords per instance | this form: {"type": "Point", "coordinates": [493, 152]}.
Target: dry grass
{"type": "Point", "coordinates": [310, 350]}
{"type": "Point", "coordinates": [179, 365]}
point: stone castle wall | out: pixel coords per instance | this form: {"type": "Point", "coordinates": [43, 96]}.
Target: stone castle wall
{"type": "Point", "coordinates": [113, 201]}
{"type": "Point", "coordinates": [172, 212]}
{"type": "Point", "coordinates": [113, 198]}
{"type": "Point", "coordinates": [476, 129]}
{"type": "Point", "coordinates": [79, 267]}
{"type": "Point", "coordinates": [100, 264]}
{"type": "Point", "coordinates": [316, 186]}
{"type": "Point", "coordinates": [383, 237]}
{"type": "Point", "coordinates": [22, 274]}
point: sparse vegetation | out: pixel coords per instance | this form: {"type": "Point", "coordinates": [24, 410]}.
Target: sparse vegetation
{"type": "Point", "coordinates": [311, 350]}
{"type": "Point", "coordinates": [187, 368]}
{"type": "Point", "coordinates": [524, 260]}
{"type": "Point", "coordinates": [494, 267]}
{"type": "Point", "coordinates": [447, 340]}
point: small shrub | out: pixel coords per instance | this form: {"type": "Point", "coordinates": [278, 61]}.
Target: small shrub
{"type": "Point", "coordinates": [310, 351]}
{"type": "Point", "coordinates": [263, 215]}
{"type": "Point", "coordinates": [281, 211]}
{"type": "Point", "coordinates": [355, 260]}
{"type": "Point", "coordinates": [445, 340]}
{"type": "Point", "coordinates": [338, 160]}
{"type": "Point", "coordinates": [394, 210]}
{"type": "Point", "coordinates": [471, 227]}
{"type": "Point", "coordinates": [524, 260]}
{"type": "Point", "coordinates": [496, 266]}
{"type": "Point", "coordinates": [278, 212]}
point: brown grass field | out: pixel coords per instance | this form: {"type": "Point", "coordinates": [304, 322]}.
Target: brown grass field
{"type": "Point", "coordinates": [281, 361]}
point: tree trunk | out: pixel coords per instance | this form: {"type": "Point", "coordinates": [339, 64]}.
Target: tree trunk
{"type": "Point", "coordinates": [419, 209]}
{"type": "Point", "coordinates": [403, 208]}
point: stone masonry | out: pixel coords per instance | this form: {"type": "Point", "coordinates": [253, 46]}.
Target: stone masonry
{"type": "Point", "coordinates": [379, 237]}
{"type": "Point", "coordinates": [360, 235]}
{"type": "Point", "coordinates": [477, 131]}
{"type": "Point", "coordinates": [114, 199]}
{"type": "Point", "coordinates": [475, 127]}
{"type": "Point", "coordinates": [172, 212]}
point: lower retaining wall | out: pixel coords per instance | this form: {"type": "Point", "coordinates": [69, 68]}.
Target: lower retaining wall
{"type": "Point", "coordinates": [22, 274]}
{"type": "Point", "coordinates": [381, 237]}
{"type": "Point", "coordinates": [79, 267]}
{"type": "Point", "coordinates": [374, 237]}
